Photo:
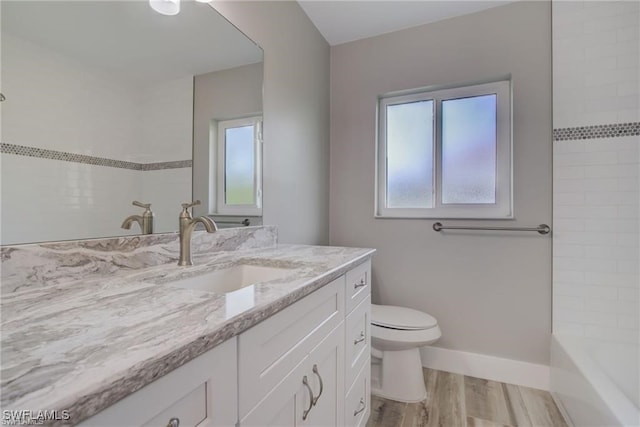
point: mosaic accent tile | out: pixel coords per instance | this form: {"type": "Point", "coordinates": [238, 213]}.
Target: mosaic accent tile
{"type": "Point", "coordinates": [597, 131]}
{"type": "Point", "coordinates": [166, 165]}
{"type": "Point", "coordinates": [43, 153]}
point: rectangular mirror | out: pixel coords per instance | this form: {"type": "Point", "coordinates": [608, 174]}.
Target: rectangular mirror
{"type": "Point", "coordinates": [107, 103]}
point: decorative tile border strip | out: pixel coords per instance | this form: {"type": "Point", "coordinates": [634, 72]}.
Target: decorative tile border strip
{"type": "Point", "coordinates": [43, 153]}
{"type": "Point", "coordinates": [177, 164]}
{"type": "Point", "coordinates": [597, 131]}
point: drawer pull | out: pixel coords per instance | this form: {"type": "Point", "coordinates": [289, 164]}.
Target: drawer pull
{"type": "Point", "coordinates": [305, 413]}
{"type": "Point", "coordinates": [361, 284]}
{"type": "Point", "coordinates": [359, 339]}
{"type": "Point", "coordinates": [364, 406]}
{"type": "Point", "coordinates": [174, 422]}
{"type": "Point", "coordinates": [315, 371]}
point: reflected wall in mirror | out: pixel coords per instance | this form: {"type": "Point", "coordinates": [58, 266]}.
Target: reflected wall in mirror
{"type": "Point", "coordinates": [99, 112]}
{"type": "Point", "coordinates": [227, 143]}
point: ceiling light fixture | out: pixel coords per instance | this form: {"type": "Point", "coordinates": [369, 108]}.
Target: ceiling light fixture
{"type": "Point", "coordinates": [165, 7]}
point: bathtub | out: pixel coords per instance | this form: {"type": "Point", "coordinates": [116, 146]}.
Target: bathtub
{"type": "Point", "coordinates": [595, 382]}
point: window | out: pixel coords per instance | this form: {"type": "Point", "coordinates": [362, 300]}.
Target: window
{"type": "Point", "coordinates": [239, 159]}
{"type": "Point", "coordinates": [445, 153]}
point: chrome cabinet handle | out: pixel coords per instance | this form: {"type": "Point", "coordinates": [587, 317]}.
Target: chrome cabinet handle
{"type": "Point", "coordinates": [360, 339]}
{"type": "Point", "coordinates": [174, 422]}
{"type": "Point", "coordinates": [364, 406]}
{"type": "Point", "coordinates": [315, 371]}
{"type": "Point", "coordinates": [361, 284]}
{"type": "Point", "coordinates": [305, 413]}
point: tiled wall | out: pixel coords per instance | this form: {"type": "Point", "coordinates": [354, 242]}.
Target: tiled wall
{"type": "Point", "coordinates": [45, 200]}
{"type": "Point", "coordinates": [79, 145]}
{"type": "Point", "coordinates": [166, 190]}
{"type": "Point", "coordinates": [596, 226]}
{"type": "Point", "coordinates": [595, 63]}
{"type": "Point", "coordinates": [596, 250]}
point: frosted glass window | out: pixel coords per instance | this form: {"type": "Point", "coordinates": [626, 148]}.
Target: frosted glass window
{"type": "Point", "coordinates": [410, 155]}
{"type": "Point", "coordinates": [239, 166]}
{"type": "Point", "coordinates": [445, 152]}
{"type": "Point", "coordinates": [469, 143]}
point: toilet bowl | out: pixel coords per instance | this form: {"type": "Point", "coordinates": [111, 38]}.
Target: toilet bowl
{"type": "Point", "coordinates": [397, 333]}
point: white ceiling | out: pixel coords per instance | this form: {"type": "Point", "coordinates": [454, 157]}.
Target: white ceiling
{"type": "Point", "coordinates": [129, 39]}
{"type": "Point", "coordinates": [345, 21]}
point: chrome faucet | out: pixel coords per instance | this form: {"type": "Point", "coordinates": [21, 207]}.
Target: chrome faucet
{"type": "Point", "coordinates": [145, 221]}
{"type": "Point", "coordinates": [187, 225]}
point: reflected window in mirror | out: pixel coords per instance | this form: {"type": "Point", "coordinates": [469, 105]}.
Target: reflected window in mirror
{"type": "Point", "coordinates": [238, 160]}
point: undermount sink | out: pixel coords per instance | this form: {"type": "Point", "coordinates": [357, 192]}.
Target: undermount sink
{"type": "Point", "coordinates": [232, 278]}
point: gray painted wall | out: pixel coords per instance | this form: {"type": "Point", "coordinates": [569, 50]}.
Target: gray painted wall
{"type": "Point", "coordinates": [221, 95]}
{"type": "Point", "coordinates": [490, 291]}
{"type": "Point", "coordinates": [296, 116]}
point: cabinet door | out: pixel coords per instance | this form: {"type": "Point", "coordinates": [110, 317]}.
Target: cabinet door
{"type": "Point", "coordinates": [326, 380]}
{"type": "Point", "coordinates": [271, 349]}
{"type": "Point", "coordinates": [281, 407]}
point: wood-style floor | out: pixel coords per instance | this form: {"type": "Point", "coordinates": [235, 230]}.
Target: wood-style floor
{"type": "Point", "coordinates": [457, 400]}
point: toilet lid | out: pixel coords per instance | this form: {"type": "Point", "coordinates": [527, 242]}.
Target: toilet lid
{"type": "Point", "coordinates": [390, 316]}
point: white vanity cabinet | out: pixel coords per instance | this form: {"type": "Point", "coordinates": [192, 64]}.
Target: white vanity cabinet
{"type": "Point", "coordinates": [309, 364]}
{"type": "Point", "coordinates": [293, 359]}
{"type": "Point", "coordinates": [202, 392]}
{"type": "Point", "coordinates": [273, 348]}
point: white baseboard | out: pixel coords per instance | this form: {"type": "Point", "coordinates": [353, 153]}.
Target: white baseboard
{"type": "Point", "coordinates": [562, 409]}
{"type": "Point", "coordinates": [488, 367]}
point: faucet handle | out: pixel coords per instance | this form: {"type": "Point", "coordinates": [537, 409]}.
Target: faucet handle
{"type": "Point", "coordinates": [188, 205]}
{"type": "Point", "coordinates": [141, 205]}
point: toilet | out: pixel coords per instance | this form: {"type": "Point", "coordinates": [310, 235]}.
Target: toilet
{"type": "Point", "coordinates": [397, 333]}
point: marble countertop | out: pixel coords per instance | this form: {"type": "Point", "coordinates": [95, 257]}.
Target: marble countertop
{"type": "Point", "coordinates": [81, 345]}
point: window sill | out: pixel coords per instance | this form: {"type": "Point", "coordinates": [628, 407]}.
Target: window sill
{"type": "Point", "coordinates": [442, 215]}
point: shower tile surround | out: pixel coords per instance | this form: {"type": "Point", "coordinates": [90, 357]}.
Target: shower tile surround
{"type": "Point", "coordinates": [596, 245]}
{"type": "Point", "coordinates": [596, 241]}
{"type": "Point", "coordinates": [108, 142]}
{"type": "Point", "coordinates": [85, 196]}
{"type": "Point", "coordinates": [102, 324]}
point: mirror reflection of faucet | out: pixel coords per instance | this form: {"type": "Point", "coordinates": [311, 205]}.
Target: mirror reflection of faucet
{"type": "Point", "coordinates": [187, 225]}
{"type": "Point", "coordinates": [145, 221]}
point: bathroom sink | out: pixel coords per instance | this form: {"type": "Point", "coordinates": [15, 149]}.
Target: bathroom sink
{"type": "Point", "coordinates": [232, 278]}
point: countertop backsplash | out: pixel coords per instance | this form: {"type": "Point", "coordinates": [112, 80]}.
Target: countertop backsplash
{"type": "Point", "coordinates": [45, 264]}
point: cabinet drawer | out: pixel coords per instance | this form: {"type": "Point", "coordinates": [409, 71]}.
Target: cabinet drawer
{"type": "Point", "coordinates": [191, 410]}
{"type": "Point", "coordinates": [358, 285]}
{"type": "Point", "coordinates": [201, 393]}
{"type": "Point", "coordinates": [358, 339]}
{"type": "Point", "coordinates": [271, 349]}
{"type": "Point", "coordinates": [358, 400]}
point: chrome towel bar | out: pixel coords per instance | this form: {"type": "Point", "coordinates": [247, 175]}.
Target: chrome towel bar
{"type": "Point", "coordinates": [246, 222]}
{"type": "Point", "coordinates": [542, 228]}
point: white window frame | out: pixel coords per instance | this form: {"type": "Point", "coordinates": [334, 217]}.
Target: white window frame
{"type": "Point", "coordinates": [222, 207]}
{"type": "Point", "coordinates": [503, 208]}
